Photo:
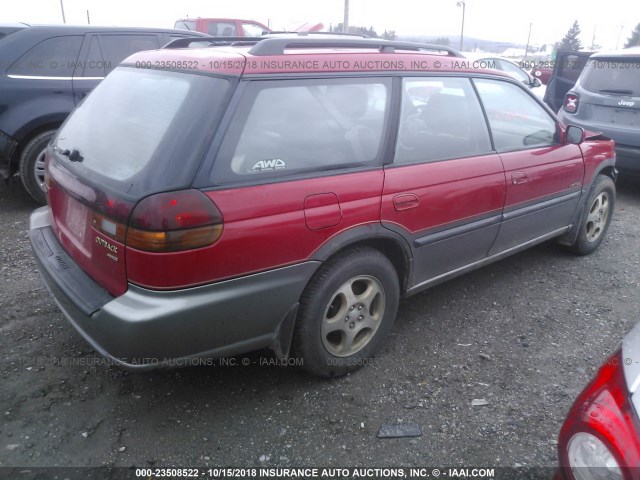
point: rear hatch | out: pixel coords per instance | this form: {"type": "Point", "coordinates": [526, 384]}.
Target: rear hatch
{"type": "Point", "coordinates": [140, 132]}
{"type": "Point", "coordinates": [613, 98]}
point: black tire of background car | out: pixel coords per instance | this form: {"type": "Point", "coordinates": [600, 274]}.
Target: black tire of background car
{"type": "Point", "coordinates": [28, 160]}
{"type": "Point", "coordinates": [602, 184]}
{"type": "Point", "coordinates": [307, 340]}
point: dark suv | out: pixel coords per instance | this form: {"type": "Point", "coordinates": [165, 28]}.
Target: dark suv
{"type": "Point", "coordinates": [606, 98]}
{"type": "Point", "coordinates": [44, 73]}
{"type": "Point", "coordinates": [287, 192]}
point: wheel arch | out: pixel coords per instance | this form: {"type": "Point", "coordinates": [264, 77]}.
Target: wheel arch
{"type": "Point", "coordinates": [606, 168]}
{"type": "Point", "coordinates": [29, 134]}
{"type": "Point", "coordinates": [375, 236]}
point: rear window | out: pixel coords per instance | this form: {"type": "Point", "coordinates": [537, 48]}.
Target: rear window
{"type": "Point", "coordinates": [141, 130]}
{"type": "Point", "coordinates": [613, 76]}
{"type": "Point", "coordinates": [185, 25]}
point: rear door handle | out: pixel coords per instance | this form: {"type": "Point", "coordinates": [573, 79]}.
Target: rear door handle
{"type": "Point", "coordinates": [405, 201]}
{"type": "Point", "coordinates": [518, 178]}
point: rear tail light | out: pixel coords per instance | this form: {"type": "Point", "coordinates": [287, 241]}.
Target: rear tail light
{"type": "Point", "coordinates": [570, 104]}
{"type": "Point", "coordinates": [601, 435]}
{"type": "Point", "coordinates": [173, 221]}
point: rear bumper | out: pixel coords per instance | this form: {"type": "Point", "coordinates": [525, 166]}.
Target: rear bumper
{"type": "Point", "coordinates": [7, 148]}
{"type": "Point", "coordinates": [145, 329]}
{"type": "Point", "coordinates": [628, 158]}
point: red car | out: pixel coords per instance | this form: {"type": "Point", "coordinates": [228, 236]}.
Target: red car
{"type": "Point", "coordinates": [601, 436]}
{"type": "Point", "coordinates": [542, 73]}
{"type": "Point", "coordinates": [223, 27]}
{"type": "Point", "coordinates": [286, 192]}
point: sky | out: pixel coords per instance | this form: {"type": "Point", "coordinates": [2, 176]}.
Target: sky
{"type": "Point", "coordinates": [496, 20]}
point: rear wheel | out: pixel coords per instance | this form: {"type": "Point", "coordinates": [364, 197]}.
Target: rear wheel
{"type": "Point", "coordinates": [32, 165]}
{"type": "Point", "coordinates": [596, 217]}
{"type": "Point", "coordinates": [346, 311]}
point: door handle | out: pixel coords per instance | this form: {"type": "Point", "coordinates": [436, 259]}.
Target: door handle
{"type": "Point", "coordinates": [518, 178]}
{"type": "Point", "coordinates": [405, 201]}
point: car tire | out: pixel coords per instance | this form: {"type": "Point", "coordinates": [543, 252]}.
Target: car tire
{"type": "Point", "coordinates": [345, 312]}
{"type": "Point", "coordinates": [32, 165]}
{"type": "Point", "coordinates": [596, 216]}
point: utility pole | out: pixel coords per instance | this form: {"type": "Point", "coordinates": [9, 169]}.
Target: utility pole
{"type": "Point", "coordinates": [345, 22]}
{"type": "Point", "coordinates": [462, 3]}
{"type": "Point", "coordinates": [619, 33]}
{"type": "Point", "coordinates": [88, 19]}
{"type": "Point", "coordinates": [593, 40]}
{"type": "Point", "coordinates": [64, 20]}
{"type": "Point", "coordinates": [526, 50]}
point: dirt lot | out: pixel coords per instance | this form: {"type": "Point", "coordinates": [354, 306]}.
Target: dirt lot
{"type": "Point", "coordinates": [544, 320]}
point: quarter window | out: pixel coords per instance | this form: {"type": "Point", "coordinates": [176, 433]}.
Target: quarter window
{"type": "Point", "coordinates": [284, 128]}
{"type": "Point", "coordinates": [517, 121]}
{"type": "Point", "coordinates": [116, 48]}
{"type": "Point", "coordinates": [54, 57]}
{"type": "Point", "coordinates": [440, 119]}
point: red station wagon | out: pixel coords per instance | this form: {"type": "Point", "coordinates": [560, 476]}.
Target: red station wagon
{"type": "Point", "coordinates": [286, 192]}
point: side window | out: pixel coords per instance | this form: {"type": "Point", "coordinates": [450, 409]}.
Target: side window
{"type": "Point", "coordinates": [440, 119]}
{"type": "Point", "coordinates": [514, 71]}
{"type": "Point", "coordinates": [289, 127]}
{"type": "Point", "coordinates": [222, 29]}
{"type": "Point", "coordinates": [54, 57]}
{"type": "Point", "coordinates": [116, 48]}
{"type": "Point", "coordinates": [517, 121]}
{"type": "Point", "coordinates": [252, 30]}
{"type": "Point", "coordinates": [94, 66]}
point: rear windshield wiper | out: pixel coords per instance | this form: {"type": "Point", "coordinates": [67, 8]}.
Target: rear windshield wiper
{"type": "Point", "coordinates": [619, 92]}
{"type": "Point", "coordinates": [74, 155]}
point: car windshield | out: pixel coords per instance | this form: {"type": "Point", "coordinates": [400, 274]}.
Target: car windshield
{"type": "Point", "coordinates": [140, 125]}
{"type": "Point", "coordinates": [612, 76]}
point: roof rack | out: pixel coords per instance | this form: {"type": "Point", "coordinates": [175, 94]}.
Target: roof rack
{"type": "Point", "coordinates": [277, 46]}
{"type": "Point", "coordinates": [185, 42]}
{"type": "Point", "coordinates": [328, 34]}
{"type": "Point", "coordinates": [266, 45]}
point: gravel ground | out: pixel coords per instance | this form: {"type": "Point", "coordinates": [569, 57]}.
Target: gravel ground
{"type": "Point", "coordinates": [524, 334]}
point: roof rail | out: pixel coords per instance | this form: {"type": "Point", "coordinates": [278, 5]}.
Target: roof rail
{"type": "Point", "coordinates": [328, 34]}
{"type": "Point", "coordinates": [277, 46]}
{"type": "Point", "coordinates": [185, 42]}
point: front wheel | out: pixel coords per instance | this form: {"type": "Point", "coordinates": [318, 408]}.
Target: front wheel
{"type": "Point", "coordinates": [32, 165]}
{"type": "Point", "coordinates": [346, 311]}
{"type": "Point", "coordinates": [596, 217]}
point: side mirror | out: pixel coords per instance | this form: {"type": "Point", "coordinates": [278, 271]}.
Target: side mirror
{"type": "Point", "coordinates": [574, 134]}
{"type": "Point", "coordinates": [536, 82]}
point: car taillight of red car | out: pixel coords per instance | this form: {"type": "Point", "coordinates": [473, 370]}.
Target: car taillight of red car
{"type": "Point", "coordinates": [600, 438]}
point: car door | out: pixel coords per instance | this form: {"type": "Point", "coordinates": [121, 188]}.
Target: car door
{"type": "Point", "coordinates": [101, 53]}
{"type": "Point", "coordinates": [300, 164]}
{"type": "Point", "coordinates": [543, 175]}
{"type": "Point", "coordinates": [444, 191]}
{"type": "Point", "coordinates": [567, 68]}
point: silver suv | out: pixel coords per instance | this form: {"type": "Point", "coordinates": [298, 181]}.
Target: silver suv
{"type": "Point", "coordinates": [606, 99]}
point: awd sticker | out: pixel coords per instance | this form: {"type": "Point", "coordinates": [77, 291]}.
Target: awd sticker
{"type": "Point", "coordinates": [273, 164]}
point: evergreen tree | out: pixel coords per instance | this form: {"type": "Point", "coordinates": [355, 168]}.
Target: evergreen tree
{"type": "Point", "coordinates": [444, 41]}
{"type": "Point", "coordinates": [634, 41]}
{"type": "Point", "coordinates": [571, 40]}
{"type": "Point", "coordinates": [389, 35]}
{"type": "Point", "coordinates": [358, 30]}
